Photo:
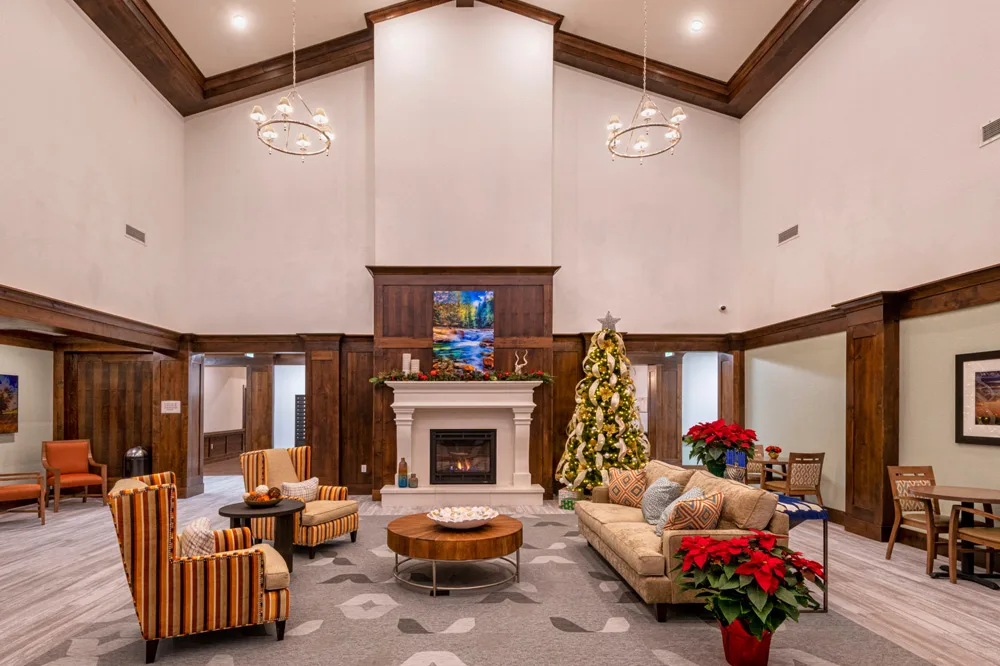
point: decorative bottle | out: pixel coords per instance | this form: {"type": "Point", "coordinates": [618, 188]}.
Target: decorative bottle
{"type": "Point", "coordinates": [401, 476]}
{"type": "Point", "coordinates": [413, 481]}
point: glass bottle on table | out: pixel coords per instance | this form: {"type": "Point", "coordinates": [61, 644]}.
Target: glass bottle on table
{"type": "Point", "coordinates": [401, 475]}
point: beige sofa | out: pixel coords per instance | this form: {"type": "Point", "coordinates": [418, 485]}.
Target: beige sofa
{"type": "Point", "coordinates": [644, 560]}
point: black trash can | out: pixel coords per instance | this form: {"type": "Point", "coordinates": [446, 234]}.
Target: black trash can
{"type": "Point", "coordinates": [136, 462]}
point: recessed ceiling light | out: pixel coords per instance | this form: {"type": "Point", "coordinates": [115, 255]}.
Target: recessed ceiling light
{"type": "Point", "coordinates": [239, 21]}
{"type": "Point", "coordinates": [697, 25]}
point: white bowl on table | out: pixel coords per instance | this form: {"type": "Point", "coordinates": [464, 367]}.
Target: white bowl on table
{"type": "Point", "coordinates": [463, 517]}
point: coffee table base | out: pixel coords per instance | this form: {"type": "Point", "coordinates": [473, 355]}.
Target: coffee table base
{"type": "Point", "coordinates": [513, 567]}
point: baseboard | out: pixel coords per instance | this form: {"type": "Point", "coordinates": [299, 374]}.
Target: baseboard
{"type": "Point", "coordinates": [869, 530]}
{"type": "Point", "coordinates": [837, 516]}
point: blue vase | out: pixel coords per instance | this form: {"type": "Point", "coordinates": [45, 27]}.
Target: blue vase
{"type": "Point", "coordinates": [402, 481]}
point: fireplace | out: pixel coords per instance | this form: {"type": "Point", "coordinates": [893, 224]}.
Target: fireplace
{"type": "Point", "coordinates": [464, 456]}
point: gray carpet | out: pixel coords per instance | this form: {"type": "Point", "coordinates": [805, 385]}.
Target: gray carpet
{"type": "Point", "coordinates": [569, 608]}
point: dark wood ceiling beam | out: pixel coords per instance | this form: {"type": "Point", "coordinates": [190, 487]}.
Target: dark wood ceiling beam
{"type": "Point", "coordinates": [399, 9]}
{"type": "Point", "coordinates": [531, 11]}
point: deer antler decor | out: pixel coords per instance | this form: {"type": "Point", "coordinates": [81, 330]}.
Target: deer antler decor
{"type": "Point", "coordinates": [520, 363]}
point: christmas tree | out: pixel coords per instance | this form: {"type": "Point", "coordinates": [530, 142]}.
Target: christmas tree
{"type": "Point", "coordinates": [605, 430]}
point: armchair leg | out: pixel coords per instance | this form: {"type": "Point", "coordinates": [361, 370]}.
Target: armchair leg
{"type": "Point", "coordinates": [86, 491]}
{"type": "Point", "coordinates": [56, 501]}
{"type": "Point", "coordinates": [104, 492]}
{"type": "Point", "coordinates": [151, 650]}
{"type": "Point", "coordinates": [661, 612]}
{"type": "Point", "coordinates": [279, 628]}
{"type": "Point", "coordinates": [892, 540]}
{"type": "Point", "coordinates": [354, 536]}
{"type": "Point", "coordinates": [931, 551]}
{"type": "Point", "coordinates": [312, 552]}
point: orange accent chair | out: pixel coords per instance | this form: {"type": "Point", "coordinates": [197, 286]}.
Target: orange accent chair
{"type": "Point", "coordinates": [35, 490]}
{"type": "Point", "coordinates": [70, 464]}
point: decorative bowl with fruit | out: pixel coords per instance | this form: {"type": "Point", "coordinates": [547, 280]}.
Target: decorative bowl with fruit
{"type": "Point", "coordinates": [262, 496]}
{"type": "Point", "coordinates": [463, 517]}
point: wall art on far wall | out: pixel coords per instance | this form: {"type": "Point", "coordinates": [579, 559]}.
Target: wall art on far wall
{"type": "Point", "coordinates": [977, 398]}
{"type": "Point", "coordinates": [463, 330]}
{"type": "Point", "coordinates": [8, 404]}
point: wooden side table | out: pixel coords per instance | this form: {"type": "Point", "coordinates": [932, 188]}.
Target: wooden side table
{"type": "Point", "coordinates": [283, 512]}
{"type": "Point", "coordinates": [417, 537]}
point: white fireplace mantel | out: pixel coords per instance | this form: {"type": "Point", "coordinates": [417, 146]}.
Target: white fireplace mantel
{"type": "Point", "coordinates": [507, 404]}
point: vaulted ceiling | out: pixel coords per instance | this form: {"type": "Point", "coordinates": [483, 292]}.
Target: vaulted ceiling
{"type": "Point", "coordinates": [191, 51]}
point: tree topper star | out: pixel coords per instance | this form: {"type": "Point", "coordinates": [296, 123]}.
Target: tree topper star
{"type": "Point", "coordinates": [609, 322]}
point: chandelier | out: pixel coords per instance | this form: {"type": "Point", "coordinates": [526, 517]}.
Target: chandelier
{"type": "Point", "coordinates": [315, 129]}
{"type": "Point", "coordinates": [642, 136]}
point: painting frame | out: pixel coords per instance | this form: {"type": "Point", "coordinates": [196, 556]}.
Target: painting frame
{"type": "Point", "coordinates": [463, 322]}
{"type": "Point", "coordinates": [9, 394]}
{"type": "Point", "coordinates": [975, 373]}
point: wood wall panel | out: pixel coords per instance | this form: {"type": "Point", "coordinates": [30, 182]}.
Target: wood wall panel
{"type": "Point", "coordinates": [357, 399]}
{"type": "Point", "coordinates": [567, 368]}
{"type": "Point", "coordinates": [520, 311]}
{"type": "Point", "coordinates": [323, 405]}
{"type": "Point", "coordinates": [665, 410]}
{"type": "Point", "coordinates": [260, 407]}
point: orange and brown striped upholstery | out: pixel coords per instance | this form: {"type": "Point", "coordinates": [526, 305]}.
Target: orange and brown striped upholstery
{"type": "Point", "coordinates": [177, 596]}
{"type": "Point", "coordinates": [254, 466]}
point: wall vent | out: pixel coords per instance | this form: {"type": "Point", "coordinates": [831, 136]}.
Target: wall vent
{"type": "Point", "coordinates": [135, 234]}
{"type": "Point", "coordinates": [788, 234]}
{"type": "Point", "coordinates": [991, 132]}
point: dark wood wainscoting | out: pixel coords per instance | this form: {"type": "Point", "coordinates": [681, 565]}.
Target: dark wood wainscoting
{"type": "Point", "coordinates": [223, 445]}
{"type": "Point", "coordinates": [357, 402]}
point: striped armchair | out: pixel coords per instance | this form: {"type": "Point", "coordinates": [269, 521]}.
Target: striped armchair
{"type": "Point", "coordinates": [178, 596]}
{"type": "Point", "coordinates": [331, 514]}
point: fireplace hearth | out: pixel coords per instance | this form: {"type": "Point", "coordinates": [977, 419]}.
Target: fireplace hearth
{"type": "Point", "coordinates": [463, 456]}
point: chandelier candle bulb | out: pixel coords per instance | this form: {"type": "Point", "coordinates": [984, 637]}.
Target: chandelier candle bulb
{"type": "Point", "coordinates": [257, 115]}
{"type": "Point", "coordinates": [677, 115]}
{"type": "Point", "coordinates": [284, 106]}
{"type": "Point", "coordinates": [320, 117]}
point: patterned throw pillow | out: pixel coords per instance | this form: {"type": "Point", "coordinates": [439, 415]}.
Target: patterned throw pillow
{"type": "Point", "coordinates": [197, 539]}
{"type": "Point", "coordinates": [701, 513]}
{"type": "Point", "coordinates": [694, 493]}
{"type": "Point", "coordinates": [906, 500]}
{"type": "Point", "coordinates": [304, 490]}
{"type": "Point", "coordinates": [658, 496]}
{"type": "Point", "coordinates": [627, 486]}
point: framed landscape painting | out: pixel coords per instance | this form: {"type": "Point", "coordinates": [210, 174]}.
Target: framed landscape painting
{"type": "Point", "coordinates": [8, 404]}
{"type": "Point", "coordinates": [463, 331]}
{"type": "Point", "coordinates": [977, 398]}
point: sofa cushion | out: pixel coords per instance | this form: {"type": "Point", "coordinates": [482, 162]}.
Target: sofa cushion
{"type": "Point", "coordinates": [324, 511]}
{"type": "Point", "coordinates": [744, 507]}
{"type": "Point", "coordinates": [664, 518]}
{"type": "Point", "coordinates": [637, 544]}
{"type": "Point", "coordinates": [699, 513]}
{"type": "Point", "coordinates": [594, 515]}
{"type": "Point", "coordinates": [68, 456]}
{"type": "Point", "coordinates": [76, 480]}
{"type": "Point", "coordinates": [627, 486]}
{"type": "Point", "coordinates": [658, 496]}
{"type": "Point", "coordinates": [656, 469]}
{"type": "Point", "coordinates": [279, 468]}
{"type": "Point", "coordinates": [20, 491]}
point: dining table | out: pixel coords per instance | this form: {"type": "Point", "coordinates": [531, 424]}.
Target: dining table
{"type": "Point", "coordinates": [967, 497]}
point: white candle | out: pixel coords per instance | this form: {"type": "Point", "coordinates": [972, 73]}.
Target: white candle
{"type": "Point", "coordinates": [406, 362]}
{"type": "Point", "coordinates": [415, 365]}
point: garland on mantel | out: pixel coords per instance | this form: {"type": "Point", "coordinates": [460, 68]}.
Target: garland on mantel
{"type": "Point", "coordinates": [465, 376]}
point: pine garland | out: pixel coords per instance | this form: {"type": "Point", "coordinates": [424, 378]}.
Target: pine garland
{"type": "Point", "coordinates": [605, 431]}
{"type": "Point", "coordinates": [461, 376]}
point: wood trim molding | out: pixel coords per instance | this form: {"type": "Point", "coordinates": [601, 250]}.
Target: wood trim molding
{"type": "Point", "coordinates": [437, 271]}
{"type": "Point", "coordinates": [966, 290]}
{"type": "Point", "coordinates": [801, 328]}
{"type": "Point", "coordinates": [28, 340]}
{"type": "Point", "coordinates": [142, 37]}
{"type": "Point", "coordinates": [241, 344]}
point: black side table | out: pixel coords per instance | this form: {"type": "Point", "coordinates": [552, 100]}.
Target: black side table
{"type": "Point", "coordinates": [284, 523]}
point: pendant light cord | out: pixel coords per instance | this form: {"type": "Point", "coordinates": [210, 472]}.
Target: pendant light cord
{"type": "Point", "coordinates": [643, 47]}
{"type": "Point", "coordinates": [295, 77]}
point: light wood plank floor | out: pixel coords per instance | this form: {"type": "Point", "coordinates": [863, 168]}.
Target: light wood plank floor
{"type": "Point", "coordinates": [59, 578]}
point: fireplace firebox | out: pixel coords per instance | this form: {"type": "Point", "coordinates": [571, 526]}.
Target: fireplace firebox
{"type": "Point", "coordinates": [464, 456]}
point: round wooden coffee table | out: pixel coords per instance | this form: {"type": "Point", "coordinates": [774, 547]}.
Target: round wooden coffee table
{"type": "Point", "coordinates": [417, 537]}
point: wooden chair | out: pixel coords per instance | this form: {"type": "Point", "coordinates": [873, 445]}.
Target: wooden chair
{"type": "Point", "coordinates": [70, 464]}
{"type": "Point", "coordinates": [33, 490]}
{"type": "Point", "coordinates": [803, 476]}
{"type": "Point", "coordinates": [755, 471]}
{"type": "Point", "coordinates": [916, 514]}
{"type": "Point", "coordinates": [986, 534]}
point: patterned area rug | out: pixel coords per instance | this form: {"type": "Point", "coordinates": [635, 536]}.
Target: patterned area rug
{"type": "Point", "coordinates": [569, 607]}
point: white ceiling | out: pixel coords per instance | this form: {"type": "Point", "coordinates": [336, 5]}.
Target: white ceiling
{"type": "Point", "coordinates": [733, 28]}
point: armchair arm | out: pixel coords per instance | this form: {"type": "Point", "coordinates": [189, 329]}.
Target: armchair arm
{"type": "Point", "coordinates": [332, 493]}
{"type": "Point", "coordinates": [22, 476]}
{"type": "Point", "coordinates": [958, 508]}
{"type": "Point", "coordinates": [206, 576]}
{"type": "Point", "coordinates": [232, 539]}
{"type": "Point", "coordinates": [599, 495]}
{"type": "Point", "coordinates": [94, 464]}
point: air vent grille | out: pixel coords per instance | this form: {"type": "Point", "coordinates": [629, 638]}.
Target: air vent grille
{"type": "Point", "coordinates": [991, 131]}
{"type": "Point", "coordinates": [788, 234]}
{"type": "Point", "coordinates": [135, 234]}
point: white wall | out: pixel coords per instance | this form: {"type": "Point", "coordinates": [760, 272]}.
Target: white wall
{"type": "Point", "coordinates": [657, 243]}
{"type": "Point", "coordinates": [276, 245]}
{"type": "Point", "coordinates": [223, 393]}
{"type": "Point", "coordinates": [93, 147]}
{"type": "Point", "coordinates": [22, 451]}
{"type": "Point", "coordinates": [699, 393]}
{"type": "Point", "coordinates": [463, 147]}
{"type": "Point", "coordinates": [289, 381]}
{"type": "Point", "coordinates": [927, 349]}
{"type": "Point", "coordinates": [796, 398]}
{"type": "Point", "coordinates": [871, 146]}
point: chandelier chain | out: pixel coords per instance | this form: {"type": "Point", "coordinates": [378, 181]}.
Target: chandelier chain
{"type": "Point", "coordinates": [294, 75]}
{"type": "Point", "coordinates": [644, 43]}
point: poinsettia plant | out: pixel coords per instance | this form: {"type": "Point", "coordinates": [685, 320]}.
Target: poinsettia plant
{"type": "Point", "coordinates": [753, 581]}
{"type": "Point", "coordinates": [709, 443]}
{"type": "Point", "coordinates": [773, 449]}
{"type": "Point", "coordinates": [461, 376]}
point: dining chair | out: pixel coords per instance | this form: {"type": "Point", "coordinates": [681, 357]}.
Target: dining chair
{"type": "Point", "coordinates": [802, 477]}
{"type": "Point", "coordinates": [985, 534]}
{"type": "Point", "coordinates": [912, 513]}
{"type": "Point", "coordinates": [755, 470]}
{"type": "Point", "coordinates": [70, 464]}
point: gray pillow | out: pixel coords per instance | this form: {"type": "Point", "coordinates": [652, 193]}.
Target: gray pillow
{"type": "Point", "coordinates": [660, 493]}
{"type": "Point", "coordinates": [694, 493]}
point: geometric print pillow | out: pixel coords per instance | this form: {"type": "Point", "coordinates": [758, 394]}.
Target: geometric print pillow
{"type": "Point", "coordinates": [627, 486]}
{"type": "Point", "coordinates": [304, 490]}
{"type": "Point", "coordinates": [903, 488]}
{"type": "Point", "coordinates": [700, 513]}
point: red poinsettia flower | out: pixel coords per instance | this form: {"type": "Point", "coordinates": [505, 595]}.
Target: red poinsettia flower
{"type": "Point", "coordinates": [697, 550]}
{"type": "Point", "coordinates": [810, 569]}
{"type": "Point", "coordinates": [766, 569]}
{"type": "Point", "coordinates": [422, 377]}
{"type": "Point", "coordinates": [725, 551]}
{"type": "Point", "coordinates": [765, 540]}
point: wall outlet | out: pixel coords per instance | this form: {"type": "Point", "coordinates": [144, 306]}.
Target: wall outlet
{"type": "Point", "coordinates": [364, 469]}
